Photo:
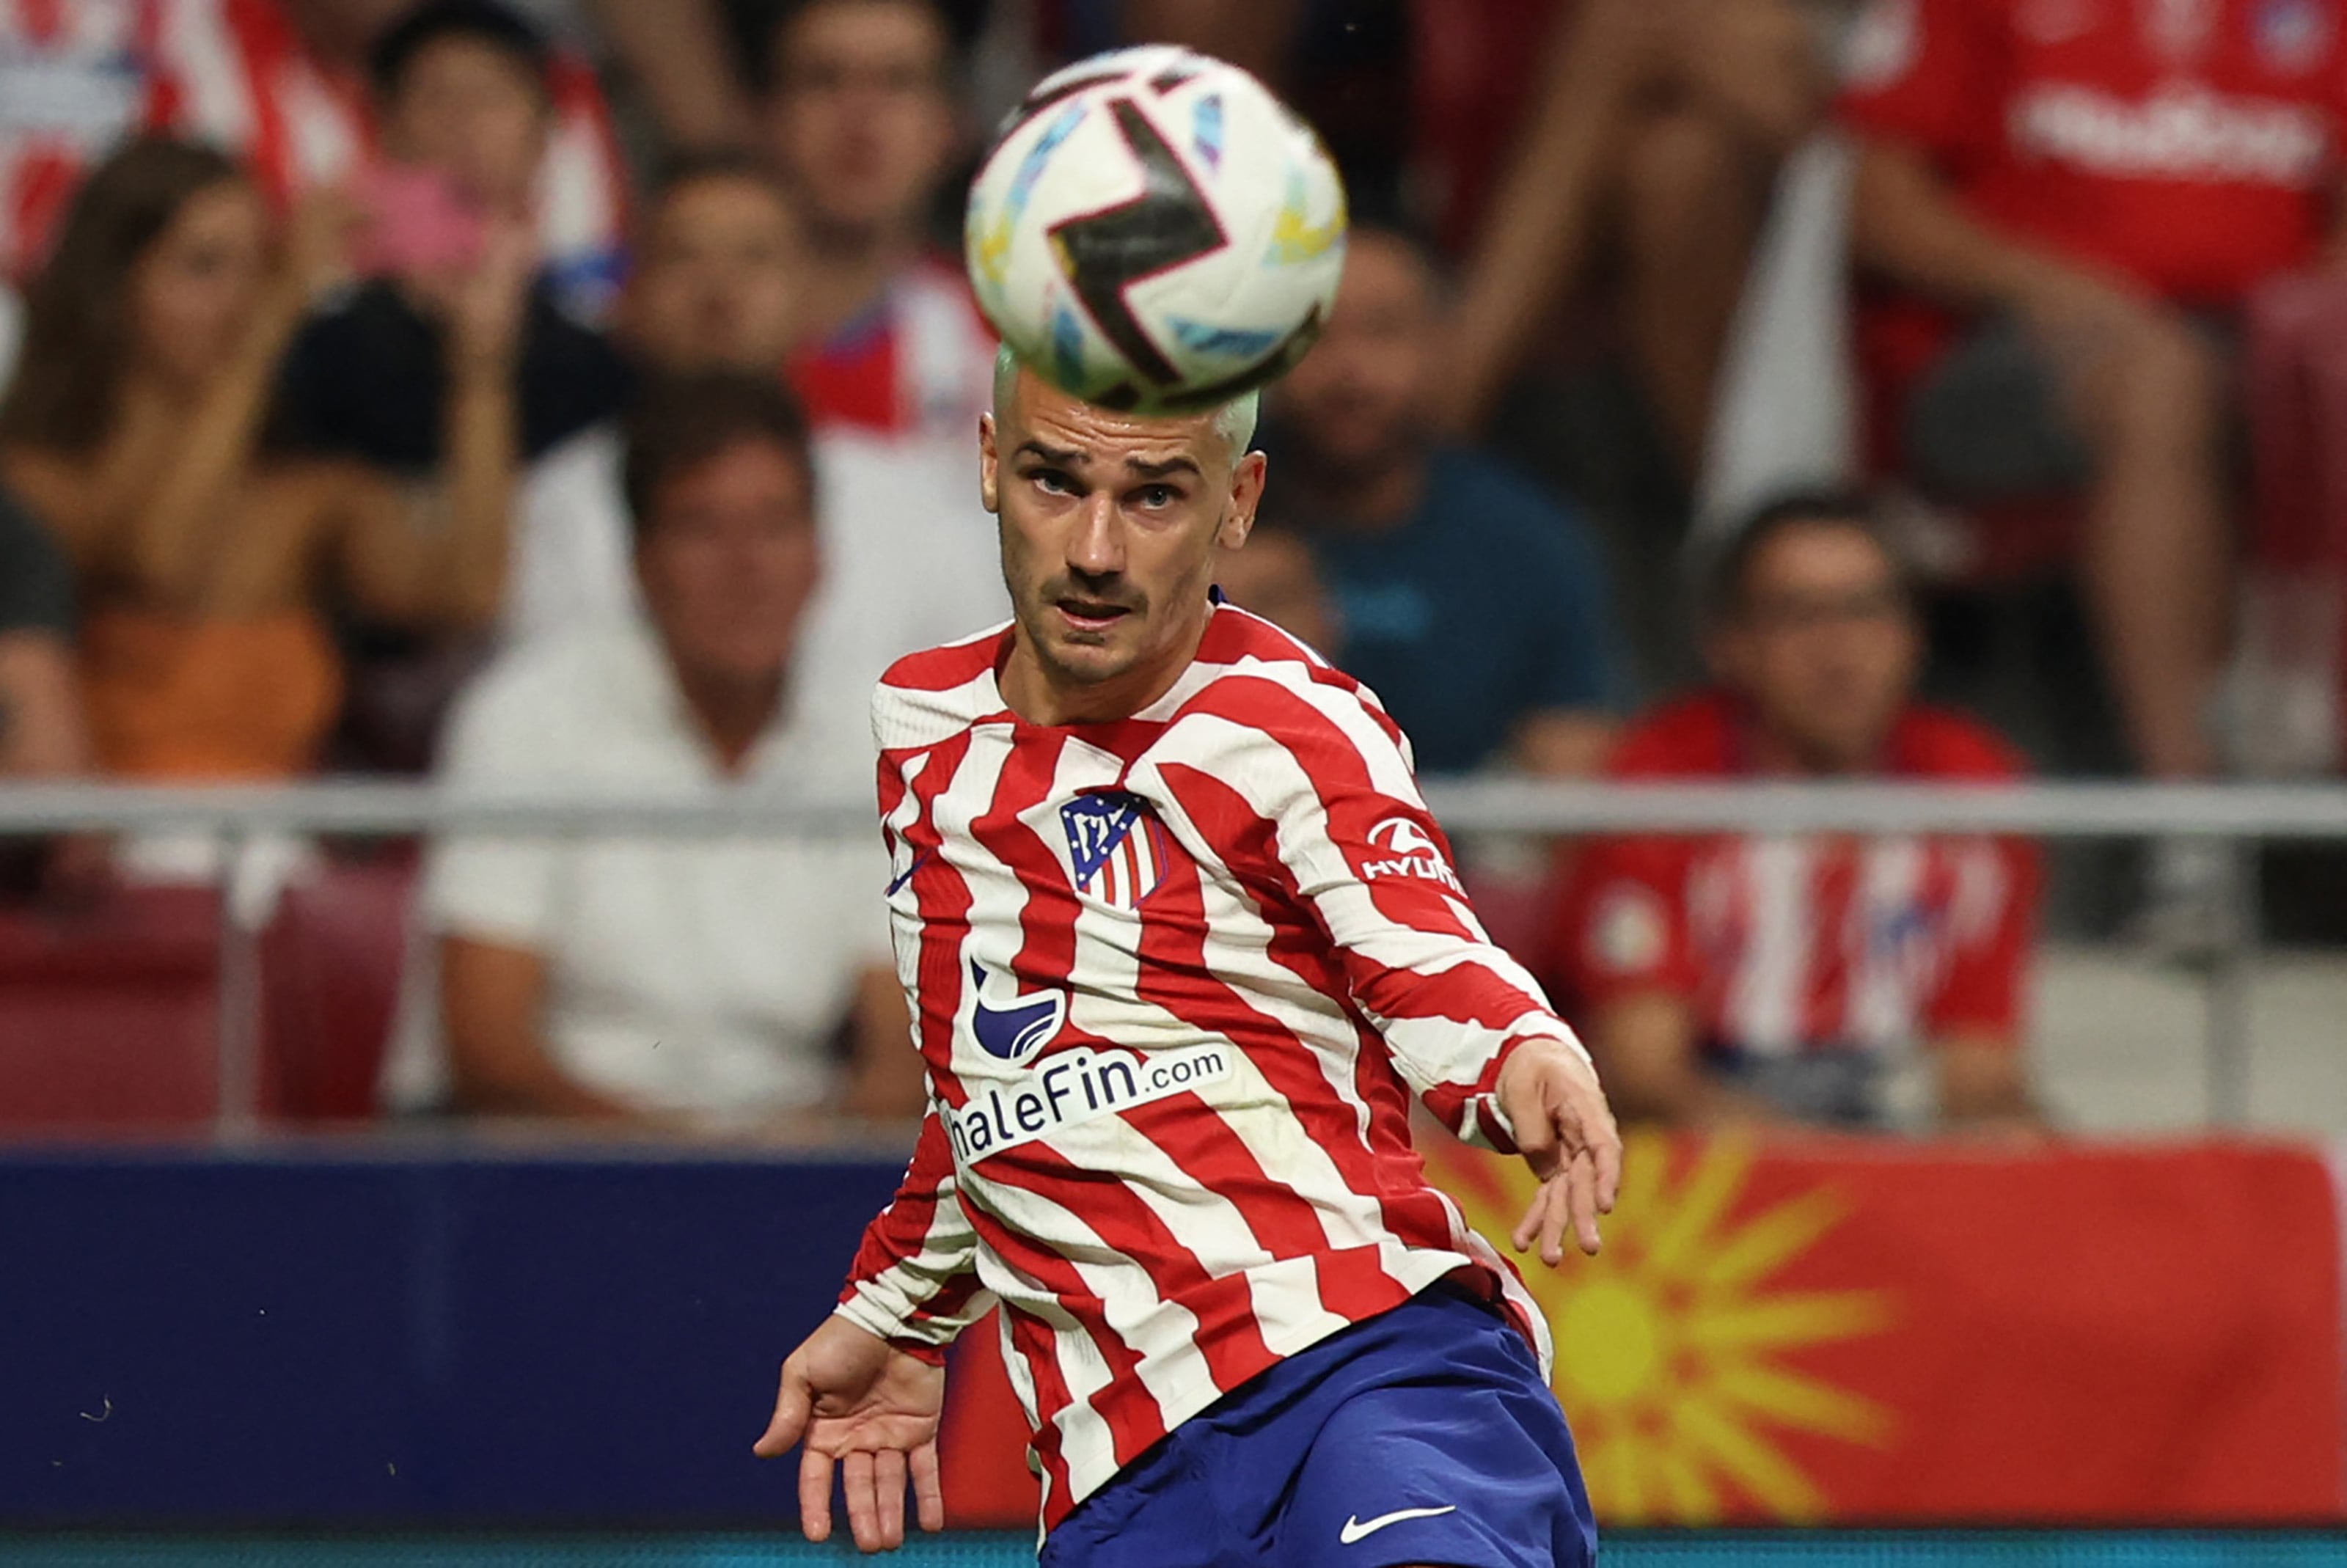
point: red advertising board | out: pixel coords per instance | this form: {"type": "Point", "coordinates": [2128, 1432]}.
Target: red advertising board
{"type": "Point", "coordinates": [1849, 1332]}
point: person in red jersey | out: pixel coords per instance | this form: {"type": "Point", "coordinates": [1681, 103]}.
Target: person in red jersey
{"type": "Point", "coordinates": [861, 116]}
{"type": "Point", "coordinates": [2062, 195]}
{"type": "Point", "coordinates": [1772, 977]}
{"type": "Point", "coordinates": [1182, 943]}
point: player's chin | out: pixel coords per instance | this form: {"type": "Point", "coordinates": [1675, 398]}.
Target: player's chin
{"type": "Point", "coordinates": [1092, 654]}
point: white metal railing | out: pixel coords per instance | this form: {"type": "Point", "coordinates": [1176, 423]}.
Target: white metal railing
{"type": "Point", "coordinates": [2252, 812]}
{"type": "Point", "coordinates": [2242, 815]}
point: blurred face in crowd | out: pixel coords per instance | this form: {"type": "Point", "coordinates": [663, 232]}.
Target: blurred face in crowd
{"type": "Point", "coordinates": [717, 283]}
{"type": "Point", "coordinates": [1110, 527]}
{"type": "Point", "coordinates": [343, 29]}
{"type": "Point", "coordinates": [1355, 402]}
{"type": "Point", "coordinates": [1822, 641]}
{"type": "Point", "coordinates": [1274, 575]}
{"type": "Point", "coordinates": [727, 560]}
{"type": "Point", "coordinates": [477, 113]}
{"type": "Point", "coordinates": [861, 120]}
{"type": "Point", "coordinates": [194, 290]}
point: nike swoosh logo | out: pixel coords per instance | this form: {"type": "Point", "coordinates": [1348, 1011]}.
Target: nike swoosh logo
{"type": "Point", "coordinates": [1355, 1529]}
{"type": "Point", "coordinates": [918, 861]}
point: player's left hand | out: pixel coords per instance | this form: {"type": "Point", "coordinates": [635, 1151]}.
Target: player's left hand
{"type": "Point", "coordinates": [1565, 1132]}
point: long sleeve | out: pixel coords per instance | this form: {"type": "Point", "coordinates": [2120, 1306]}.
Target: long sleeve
{"type": "Point", "coordinates": [915, 1279]}
{"type": "Point", "coordinates": [1303, 789]}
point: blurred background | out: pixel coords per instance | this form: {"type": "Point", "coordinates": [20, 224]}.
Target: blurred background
{"type": "Point", "coordinates": [1849, 501]}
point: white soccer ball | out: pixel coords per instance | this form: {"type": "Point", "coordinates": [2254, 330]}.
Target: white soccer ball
{"type": "Point", "coordinates": [1156, 230]}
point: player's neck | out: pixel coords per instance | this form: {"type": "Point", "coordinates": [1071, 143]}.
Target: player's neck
{"type": "Point", "coordinates": [1041, 695]}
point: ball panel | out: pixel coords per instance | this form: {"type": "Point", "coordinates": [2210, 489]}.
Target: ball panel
{"type": "Point", "coordinates": [1156, 230]}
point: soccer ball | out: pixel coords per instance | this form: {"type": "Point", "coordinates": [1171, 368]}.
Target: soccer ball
{"type": "Point", "coordinates": [1155, 230]}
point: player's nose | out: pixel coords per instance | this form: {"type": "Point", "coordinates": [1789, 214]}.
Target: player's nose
{"type": "Point", "coordinates": [1096, 545]}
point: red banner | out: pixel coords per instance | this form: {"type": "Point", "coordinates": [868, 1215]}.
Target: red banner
{"type": "Point", "coordinates": [1847, 1332]}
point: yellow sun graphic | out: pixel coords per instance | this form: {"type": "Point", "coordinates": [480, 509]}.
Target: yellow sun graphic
{"type": "Point", "coordinates": [1671, 1343]}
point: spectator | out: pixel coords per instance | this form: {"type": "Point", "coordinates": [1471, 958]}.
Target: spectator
{"type": "Point", "coordinates": [285, 84]}
{"type": "Point", "coordinates": [1774, 977]}
{"type": "Point", "coordinates": [718, 288]}
{"type": "Point", "coordinates": [461, 87]}
{"type": "Point", "coordinates": [861, 112]}
{"type": "Point", "coordinates": [462, 90]}
{"type": "Point", "coordinates": [41, 733]}
{"type": "Point", "coordinates": [1472, 605]}
{"type": "Point", "coordinates": [134, 428]}
{"type": "Point", "coordinates": [609, 979]}
{"type": "Point", "coordinates": [1650, 137]}
{"type": "Point", "coordinates": [2060, 200]}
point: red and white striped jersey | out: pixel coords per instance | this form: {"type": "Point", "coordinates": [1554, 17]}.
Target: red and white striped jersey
{"type": "Point", "coordinates": [918, 363]}
{"type": "Point", "coordinates": [1794, 943]}
{"type": "Point", "coordinates": [1175, 979]}
{"type": "Point", "coordinates": [240, 77]}
{"type": "Point", "coordinates": [75, 77]}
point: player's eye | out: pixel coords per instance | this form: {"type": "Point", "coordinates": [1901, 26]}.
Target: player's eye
{"type": "Point", "coordinates": [1156, 498]}
{"type": "Point", "coordinates": [1051, 481]}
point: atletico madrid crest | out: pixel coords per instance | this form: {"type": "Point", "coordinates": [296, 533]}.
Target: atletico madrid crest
{"type": "Point", "coordinates": [1114, 854]}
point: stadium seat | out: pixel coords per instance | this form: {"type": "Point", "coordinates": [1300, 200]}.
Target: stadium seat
{"type": "Point", "coordinates": [331, 964]}
{"type": "Point", "coordinates": [109, 1012]}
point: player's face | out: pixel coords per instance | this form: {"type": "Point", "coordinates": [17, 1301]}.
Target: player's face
{"type": "Point", "coordinates": [1110, 526]}
{"type": "Point", "coordinates": [861, 118]}
{"type": "Point", "coordinates": [1823, 643]}
{"type": "Point", "coordinates": [729, 560]}
{"type": "Point", "coordinates": [717, 287]}
{"type": "Point", "coordinates": [1355, 401]}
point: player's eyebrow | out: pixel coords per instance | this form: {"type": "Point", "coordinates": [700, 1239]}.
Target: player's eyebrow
{"type": "Point", "coordinates": [1058, 456]}
{"type": "Point", "coordinates": [1159, 470]}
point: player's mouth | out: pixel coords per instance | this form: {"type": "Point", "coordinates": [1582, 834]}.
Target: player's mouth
{"type": "Point", "coordinates": [1090, 615]}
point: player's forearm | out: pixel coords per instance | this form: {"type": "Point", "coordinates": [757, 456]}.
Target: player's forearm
{"type": "Point", "coordinates": [915, 1276]}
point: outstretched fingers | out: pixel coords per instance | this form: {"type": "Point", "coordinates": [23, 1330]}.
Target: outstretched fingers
{"type": "Point", "coordinates": [863, 1501]}
{"type": "Point", "coordinates": [815, 1494]}
{"type": "Point", "coordinates": [888, 1489]}
{"type": "Point", "coordinates": [929, 1492]}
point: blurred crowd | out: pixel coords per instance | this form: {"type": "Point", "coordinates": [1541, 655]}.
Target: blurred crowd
{"type": "Point", "coordinates": [581, 394]}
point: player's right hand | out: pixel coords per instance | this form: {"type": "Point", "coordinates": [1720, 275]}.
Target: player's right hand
{"type": "Point", "coordinates": [1565, 1132]}
{"type": "Point", "coordinates": [859, 1404]}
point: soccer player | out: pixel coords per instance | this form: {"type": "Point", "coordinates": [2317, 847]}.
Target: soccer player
{"type": "Point", "coordinates": [1181, 941]}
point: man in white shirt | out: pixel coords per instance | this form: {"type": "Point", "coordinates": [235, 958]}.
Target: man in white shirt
{"type": "Point", "coordinates": [718, 285]}
{"type": "Point", "coordinates": [701, 982]}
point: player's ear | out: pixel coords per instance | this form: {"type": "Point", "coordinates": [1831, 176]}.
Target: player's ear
{"type": "Point", "coordinates": [989, 490]}
{"type": "Point", "coordinates": [1246, 498]}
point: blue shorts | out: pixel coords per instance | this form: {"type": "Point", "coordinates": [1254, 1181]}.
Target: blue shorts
{"type": "Point", "coordinates": [1424, 1435]}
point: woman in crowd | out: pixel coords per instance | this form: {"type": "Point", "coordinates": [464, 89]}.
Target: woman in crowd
{"type": "Point", "coordinates": [137, 428]}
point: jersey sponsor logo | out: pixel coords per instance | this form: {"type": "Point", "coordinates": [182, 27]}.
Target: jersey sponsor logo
{"type": "Point", "coordinates": [1408, 850]}
{"type": "Point", "coordinates": [1356, 1527]}
{"type": "Point", "coordinates": [1113, 853]}
{"type": "Point", "coordinates": [2182, 132]}
{"type": "Point", "coordinates": [1629, 931]}
{"type": "Point", "coordinates": [1074, 1086]}
{"type": "Point", "coordinates": [1016, 1028]}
